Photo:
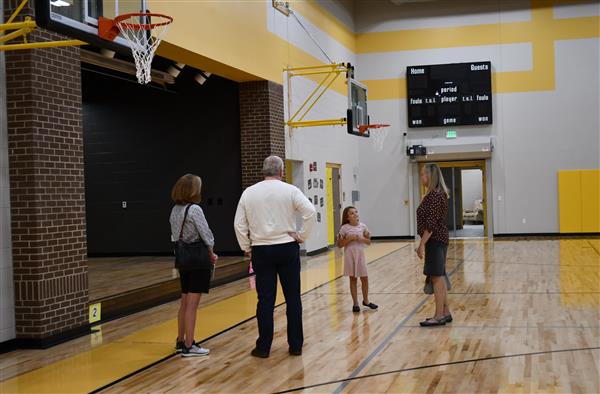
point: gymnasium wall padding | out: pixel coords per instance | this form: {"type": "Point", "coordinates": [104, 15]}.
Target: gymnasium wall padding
{"type": "Point", "coordinates": [579, 201]}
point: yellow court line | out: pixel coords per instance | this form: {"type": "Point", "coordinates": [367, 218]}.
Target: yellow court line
{"type": "Point", "coordinates": [105, 364]}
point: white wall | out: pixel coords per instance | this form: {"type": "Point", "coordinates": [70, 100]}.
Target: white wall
{"type": "Point", "coordinates": [7, 302]}
{"type": "Point", "coordinates": [326, 144]}
{"type": "Point", "coordinates": [535, 133]}
{"type": "Point", "coordinates": [472, 187]}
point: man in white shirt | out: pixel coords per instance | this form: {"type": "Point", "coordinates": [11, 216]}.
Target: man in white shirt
{"type": "Point", "coordinates": [265, 226]}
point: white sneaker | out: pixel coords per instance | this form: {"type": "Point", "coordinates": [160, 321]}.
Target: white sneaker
{"type": "Point", "coordinates": [195, 351]}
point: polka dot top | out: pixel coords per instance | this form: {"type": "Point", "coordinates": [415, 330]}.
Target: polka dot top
{"type": "Point", "coordinates": [432, 214]}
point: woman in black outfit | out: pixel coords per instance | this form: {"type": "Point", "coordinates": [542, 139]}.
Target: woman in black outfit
{"type": "Point", "coordinates": [432, 228]}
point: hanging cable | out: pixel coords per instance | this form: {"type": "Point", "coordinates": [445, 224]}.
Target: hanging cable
{"type": "Point", "coordinates": [309, 35]}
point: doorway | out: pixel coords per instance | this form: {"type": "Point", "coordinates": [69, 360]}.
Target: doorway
{"type": "Point", "coordinates": [333, 201]}
{"type": "Point", "coordinates": [467, 211]}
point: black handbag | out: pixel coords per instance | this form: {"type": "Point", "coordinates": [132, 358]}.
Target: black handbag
{"type": "Point", "coordinates": [191, 256]}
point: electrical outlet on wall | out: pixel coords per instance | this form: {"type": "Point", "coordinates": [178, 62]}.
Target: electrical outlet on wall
{"type": "Point", "coordinates": [524, 220]}
{"type": "Point", "coordinates": [124, 204]}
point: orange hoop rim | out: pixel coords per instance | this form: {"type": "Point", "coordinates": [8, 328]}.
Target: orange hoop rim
{"type": "Point", "coordinates": [364, 127]}
{"type": "Point", "coordinates": [119, 19]}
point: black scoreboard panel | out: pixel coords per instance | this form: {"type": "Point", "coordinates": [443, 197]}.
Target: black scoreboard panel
{"type": "Point", "coordinates": [449, 94]}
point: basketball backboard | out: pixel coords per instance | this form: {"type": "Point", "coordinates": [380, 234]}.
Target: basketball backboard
{"type": "Point", "coordinates": [357, 113]}
{"type": "Point", "coordinates": [78, 19]}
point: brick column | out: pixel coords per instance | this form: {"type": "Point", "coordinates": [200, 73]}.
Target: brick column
{"type": "Point", "coordinates": [45, 140]}
{"type": "Point", "coordinates": [261, 127]}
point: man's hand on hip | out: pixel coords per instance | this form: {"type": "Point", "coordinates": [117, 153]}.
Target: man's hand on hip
{"type": "Point", "coordinates": [296, 237]}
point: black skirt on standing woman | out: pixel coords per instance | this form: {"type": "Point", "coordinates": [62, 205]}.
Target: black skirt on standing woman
{"type": "Point", "coordinates": [435, 258]}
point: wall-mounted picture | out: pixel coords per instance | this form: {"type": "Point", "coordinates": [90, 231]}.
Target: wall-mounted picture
{"type": "Point", "coordinates": [309, 184]}
{"type": "Point", "coordinates": [316, 200]}
{"type": "Point", "coordinates": [321, 183]}
{"type": "Point", "coordinates": [319, 217]}
{"type": "Point", "coordinates": [310, 199]}
{"type": "Point", "coordinates": [315, 166]}
{"type": "Point", "coordinates": [322, 201]}
{"type": "Point", "coordinates": [316, 183]}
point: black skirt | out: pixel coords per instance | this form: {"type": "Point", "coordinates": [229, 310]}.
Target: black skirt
{"type": "Point", "coordinates": [435, 258]}
{"type": "Point", "coordinates": [197, 281]}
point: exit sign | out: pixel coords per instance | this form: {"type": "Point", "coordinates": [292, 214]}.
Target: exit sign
{"type": "Point", "coordinates": [450, 134]}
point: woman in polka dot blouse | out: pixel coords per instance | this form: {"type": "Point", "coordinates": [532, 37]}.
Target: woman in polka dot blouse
{"type": "Point", "coordinates": [432, 228]}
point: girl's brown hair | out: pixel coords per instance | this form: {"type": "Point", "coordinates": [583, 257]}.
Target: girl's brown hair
{"type": "Point", "coordinates": [187, 190]}
{"type": "Point", "coordinates": [345, 219]}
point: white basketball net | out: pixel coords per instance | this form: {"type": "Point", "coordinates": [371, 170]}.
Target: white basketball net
{"type": "Point", "coordinates": [377, 136]}
{"type": "Point", "coordinates": [143, 45]}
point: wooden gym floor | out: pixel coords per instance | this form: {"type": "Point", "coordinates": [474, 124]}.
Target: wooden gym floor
{"type": "Point", "coordinates": [526, 319]}
{"type": "Point", "coordinates": [110, 276]}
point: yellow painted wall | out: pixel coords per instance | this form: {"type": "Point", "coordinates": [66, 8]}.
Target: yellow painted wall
{"type": "Point", "coordinates": [231, 38]}
{"type": "Point", "coordinates": [569, 201]}
{"type": "Point", "coordinates": [579, 201]}
{"type": "Point", "coordinates": [590, 201]}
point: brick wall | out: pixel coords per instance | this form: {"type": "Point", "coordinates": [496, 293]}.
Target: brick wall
{"type": "Point", "coordinates": [261, 127]}
{"type": "Point", "coordinates": [45, 140]}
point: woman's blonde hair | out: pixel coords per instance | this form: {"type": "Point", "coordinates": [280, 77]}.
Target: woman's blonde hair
{"type": "Point", "coordinates": [187, 190]}
{"type": "Point", "coordinates": [436, 179]}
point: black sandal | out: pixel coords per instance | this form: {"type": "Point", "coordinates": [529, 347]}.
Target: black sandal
{"type": "Point", "coordinates": [371, 305]}
{"type": "Point", "coordinates": [355, 308]}
{"type": "Point", "coordinates": [431, 322]}
{"type": "Point", "coordinates": [447, 318]}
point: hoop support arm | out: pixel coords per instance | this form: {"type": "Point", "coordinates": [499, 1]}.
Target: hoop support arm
{"type": "Point", "coordinates": [331, 72]}
{"type": "Point", "coordinates": [23, 29]}
{"type": "Point", "coordinates": [324, 122]}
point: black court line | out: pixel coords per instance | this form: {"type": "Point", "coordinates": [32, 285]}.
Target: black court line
{"type": "Point", "coordinates": [480, 293]}
{"type": "Point", "coordinates": [473, 360]}
{"type": "Point", "coordinates": [121, 379]}
{"type": "Point", "coordinates": [389, 337]}
{"type": "Point", "coordinates": [164, 359]}
{"type": "Point", "coordinates": [558, 265]}
{"type": "Point", "coordinates": [593, 247]}
{"type": "Point", "coordinates": [510, 327]}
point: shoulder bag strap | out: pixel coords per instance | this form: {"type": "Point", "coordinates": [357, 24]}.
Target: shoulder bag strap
{"type": "Point", "coordinates": [183, 222]}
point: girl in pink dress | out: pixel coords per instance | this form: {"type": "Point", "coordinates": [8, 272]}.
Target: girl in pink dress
{"type": "Point", "coordinates": [353, 237]}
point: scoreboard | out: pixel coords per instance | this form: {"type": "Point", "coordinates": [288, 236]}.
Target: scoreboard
{"type": "Point", "coordinates": [449, 94]}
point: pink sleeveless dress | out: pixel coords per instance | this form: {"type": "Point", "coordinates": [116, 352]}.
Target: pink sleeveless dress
{"type": "Point", "coordinates": [354, 253]}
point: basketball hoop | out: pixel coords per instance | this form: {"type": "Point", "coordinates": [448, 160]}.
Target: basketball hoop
{"type": "Point", "coordinates": [137, 29]}
{"type": "Point", "coordinates": [377, 132]}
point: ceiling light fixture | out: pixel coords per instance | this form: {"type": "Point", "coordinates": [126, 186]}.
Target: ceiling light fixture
{"type": "Point", "coordinates": [61, 3]}
{"type": "Point", "coordinates": [202, 76]}
{"type": "Point", "coordinates": [175, 69]}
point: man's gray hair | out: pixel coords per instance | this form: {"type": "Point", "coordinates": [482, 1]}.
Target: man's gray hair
{"type": "Point", "coordinates": [272, 166]}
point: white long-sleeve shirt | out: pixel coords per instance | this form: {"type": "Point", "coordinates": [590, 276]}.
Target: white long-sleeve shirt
{"type": "Point", "coordinates": [267, 212]}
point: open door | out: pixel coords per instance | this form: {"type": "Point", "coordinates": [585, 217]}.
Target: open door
{"type": "Point", "coordinates": [333, 201]}
{"type": "Point", "coordinates": [467, 208]}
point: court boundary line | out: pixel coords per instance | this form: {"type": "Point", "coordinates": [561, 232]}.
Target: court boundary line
{"type": "Point", "coordinates": [170, 356]}
{"type": "Point", "coordinates": [593, 247]}
{"type": "Point", "coordinates": [449, 363]}
{"type": "Point", "coordinates": [138, 371]}
{"type": "Point", "coordinates": [481, 293]}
